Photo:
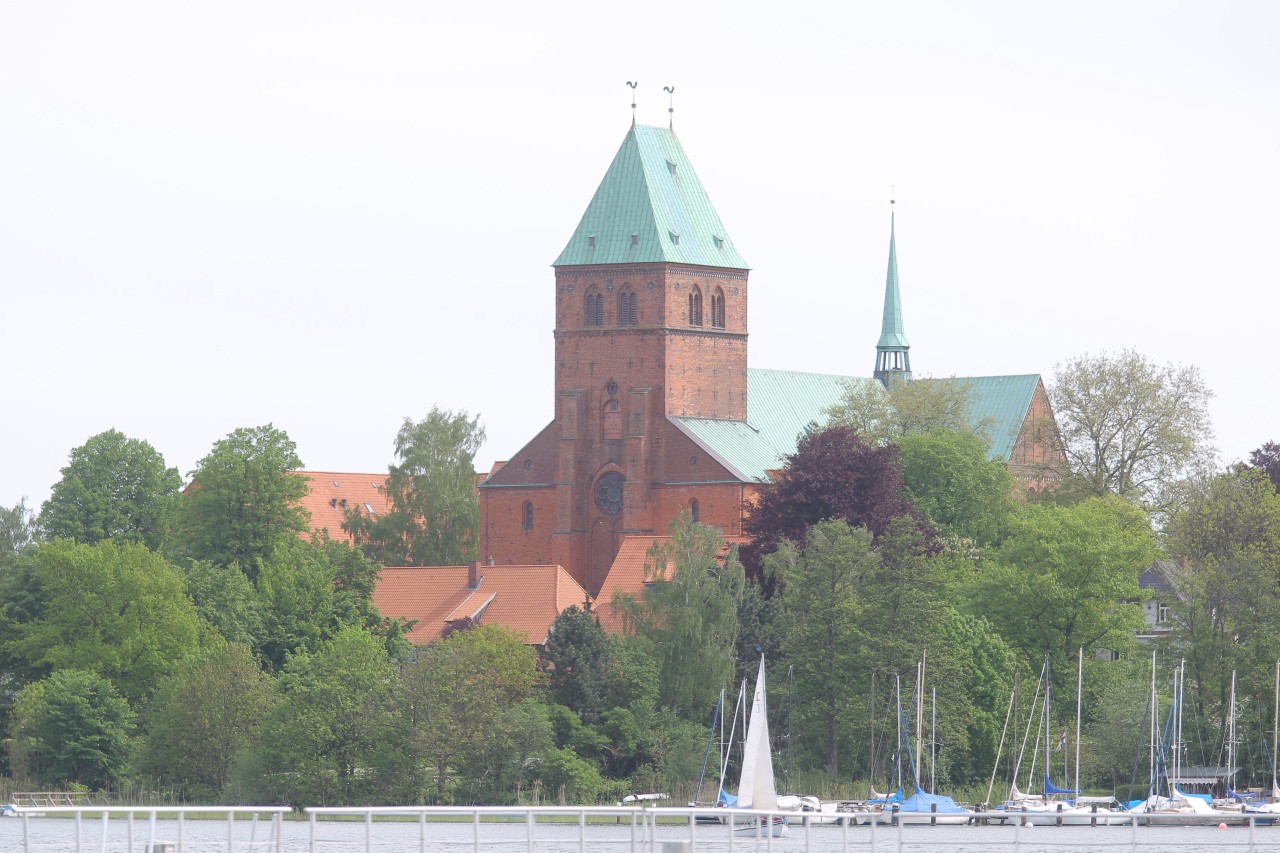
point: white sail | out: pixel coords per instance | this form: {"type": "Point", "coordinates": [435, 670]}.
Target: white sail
{"type": "Point", "coordinates": [756, 789]}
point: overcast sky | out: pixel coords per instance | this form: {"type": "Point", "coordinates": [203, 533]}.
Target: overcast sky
{"type": "Point", "coordinates": [333, 216]}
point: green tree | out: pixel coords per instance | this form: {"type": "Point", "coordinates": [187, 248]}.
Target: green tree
{"type": "Point", "coordinates": [244, 500]}
{"type": "Point", "coordinates": [70, 728]}
{"type": "Point", "coordinates": [434, 519]}
{"type": "Point", "coordinates": [206, 715]}
{"type": "Point", "coordinates": [114, 487]}
{"type": "Point", "coordinates": [459, 705]}
{"type": "Point", "coordinates": [820, 588]}
{"type": "Point", "coordinates": [117, 610]}
{"type": "Point", "coordinates": [18, 530]}
{"type": "Point", "coordinates": [688, 616]}
{"type": "Point", "coordinates": [227, 600]}
{"type": "Point", "coordinates": [1065, 578]}
{"type": "Point", "coordinates": [576, 658]}
{"type": "Point", "coordinates": [323, 740]}
{"type": "Point", "coordinates": [951, 480]}
{"type": "Point", "coordinates": [1129, 426]}
{"type": "Point", "coordinates": [881, 416]}
{"type": "Point", "coordinates": [1226, 541]}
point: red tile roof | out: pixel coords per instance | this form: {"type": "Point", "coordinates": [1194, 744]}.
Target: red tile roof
{"type": "Point", "coordinates": [333, 492]}
{"type": "Point", "coordinates": [627, 575]}
{"type": "Point", "coordinates": [526, 599]}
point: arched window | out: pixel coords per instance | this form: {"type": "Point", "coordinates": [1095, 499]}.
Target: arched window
{"type": "Point", "coordinates": [717, 309]}
{"type": "Point", "coordinates": [627, 307]}
{"type": "Point", "coordinates": [528, 515]}
{"type": "Point", "coordinates": [693, 508]}
{"type": "Point", "coordinates": [595, 307]}
{"type": "Point", "coordinates": [695, 306]}
{"type": "Point", "coordinates": [611, 422]}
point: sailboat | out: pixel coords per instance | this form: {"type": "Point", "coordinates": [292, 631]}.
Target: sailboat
{"type": "Point", "coordinates": [924, 806]}
{"type": "Point", "coordinates": [756, 787]}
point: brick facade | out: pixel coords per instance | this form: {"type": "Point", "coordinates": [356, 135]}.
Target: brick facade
{"type": "Point", "coordinates": [634, 345]}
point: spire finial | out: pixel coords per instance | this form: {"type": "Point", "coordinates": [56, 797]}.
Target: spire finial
{"type": "Point", "coordinates": [671, 106]}
{"type": "Point", "coordinates": [633, 85]}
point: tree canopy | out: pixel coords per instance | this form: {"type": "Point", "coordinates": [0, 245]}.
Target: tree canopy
{"type": "Point", "coordinates": [114, 487]}
{"type": "Point", "coordinates": [688, 615]}
{"type": "Point", "coordinates": [883, 415]}
{"type": "Point", "coordinates": [244, 501]}
{"type": "Point", "coordinates": [434, 519]}
{"type": "Point", "coordinates": [1267, 457]}
{"type": "Point", "coordinates": [958, 488]}
{"type": "Point", "coordinates": [832, 474]}
{"type": "Point", "coordinates": [117, 610]}
{"type": "Point", "coordinates": [1129, 426]}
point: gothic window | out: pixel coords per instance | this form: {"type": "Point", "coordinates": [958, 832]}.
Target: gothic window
{"type": "Point", "coordinates": [717, 309]}
{"type": "Point", "coordinates": [627, 307]}
{"type": "Point", "coordinates": [595, 307]}
{"type": "Point", "coordinates": [695, 306]}
{"type": "Point", "coordinates": [693, 508]}
{"type": "Point", "coordinates": [609, 493]}
{"type": "Point", "coordinates": [528, 515]}
{"type": "Point", "coordinates": [612, 421]}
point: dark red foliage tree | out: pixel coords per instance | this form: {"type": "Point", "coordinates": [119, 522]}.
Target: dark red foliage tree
{"type": "Point", "coordinates": [1267, 457]}
{"type": "Point", "coordinates": [832, 474]}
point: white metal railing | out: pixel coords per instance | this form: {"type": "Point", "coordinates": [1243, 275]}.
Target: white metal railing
{"type": "Point", "coordinates": [682, 824]}
{"type": "Point", "coordinates": [586, 829]}
{"type": "Point", "coordinates": [153, 842]}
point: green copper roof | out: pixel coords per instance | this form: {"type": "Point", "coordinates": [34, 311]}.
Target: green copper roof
{"type": "Point", "coordinates": [651, 208]}
{"type": "Point", "coordinates": [891, 330]}
{"type": "Point", "coordinates": [782, 405]}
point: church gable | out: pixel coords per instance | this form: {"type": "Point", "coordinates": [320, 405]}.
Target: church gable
{"type": "Point", "coordinates": [533, 465]}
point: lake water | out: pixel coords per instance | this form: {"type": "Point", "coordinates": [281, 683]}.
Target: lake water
{"type": "Point", "coordinates": [58, 835]}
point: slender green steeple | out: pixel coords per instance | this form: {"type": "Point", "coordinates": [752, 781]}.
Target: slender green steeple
{"type": "Point", "coordinates": [893, 357]}
{"type": "Point", "coordinates": [651, 208]}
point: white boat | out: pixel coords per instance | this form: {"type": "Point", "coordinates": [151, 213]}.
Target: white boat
{"type": "Point", "coordinates": [756, 787]}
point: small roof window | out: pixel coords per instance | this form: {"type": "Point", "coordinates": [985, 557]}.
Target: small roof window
{"type": "Point", "coordinates": [675, 238]}
{"type": "Point", "coordinates": [370, 508]}
{"type": "Point", "coordinates": [591, 241]}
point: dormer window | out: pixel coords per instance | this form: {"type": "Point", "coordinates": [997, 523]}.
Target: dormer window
{"type": "Point", "coordinates": [675, 238]}
{"type": "Point", "coordinates": [591, 241]}
{"type": "Point", "coordinates": [635, 239]}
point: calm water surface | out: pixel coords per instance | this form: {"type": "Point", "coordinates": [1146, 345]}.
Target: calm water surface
{"type": "Point", "coordinates": [58, 835]}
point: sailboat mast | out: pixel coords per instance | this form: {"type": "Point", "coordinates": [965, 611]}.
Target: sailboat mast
{"type": "Point", "coordinates": [1275, 729]}
{"type": "Point", "coordinates": [919, 713]}
{"type": "Point", "coordinates": [1079, 695]}
{"type": "Point", "coordinates": [933, 745]}
{"type": "Point", "coordinates": [898, 751]}
{"type": "Point", "coordinates": [1151, 733]}
{"type": "Point", "coordinates": [1231, 727]}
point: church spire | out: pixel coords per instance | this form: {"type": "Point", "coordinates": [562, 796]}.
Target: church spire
{"type": "Point", "coordinates": [893, 359]}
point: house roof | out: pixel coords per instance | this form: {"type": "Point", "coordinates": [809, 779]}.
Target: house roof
{"type": "Point", "coordinates": [332, 493]}
{"type": "Point", "coordinates": [627, 574]}
{"type": "Point", "coordinates": [782, 405]}
{"type": "Point", "coordinates": [1155, 578]}
{"type": "Point", "coordinates": [650, 208]}
{"type": "Point", "coordinates": [526, 599]}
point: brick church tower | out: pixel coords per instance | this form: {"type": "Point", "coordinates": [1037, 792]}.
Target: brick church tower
{"type": "Point", "coordinates": [650, 335]}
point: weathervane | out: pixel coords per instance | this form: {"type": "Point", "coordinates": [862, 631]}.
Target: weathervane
{"type": "Point", "coordinates": [633, 100]}
{"type": "Point", "coordinates": [671, 106]}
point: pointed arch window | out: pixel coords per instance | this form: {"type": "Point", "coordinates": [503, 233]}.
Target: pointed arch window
{"type": "Point", "coordinates": [595, 307]}
{"type": "Point", "coordinates": [627, 307]}
{"type": "Point", "coordinates": [695, 306]}
{"type": "Point", "coordinates": [693, 509]}
{"type": "Point", "coordinates": [528, 515]}
{"type": "Point", "coordinates": [717, 309]}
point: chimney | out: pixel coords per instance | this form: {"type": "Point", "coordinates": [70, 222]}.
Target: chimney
{"type": "Point", "coordinates": [473, 575]}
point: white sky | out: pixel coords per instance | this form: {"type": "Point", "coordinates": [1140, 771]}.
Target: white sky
{"type": "Point", "coordinates": [330, 216]}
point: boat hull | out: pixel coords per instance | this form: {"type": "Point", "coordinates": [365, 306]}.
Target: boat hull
{"type": "Point", "coordinates": [777, 828]}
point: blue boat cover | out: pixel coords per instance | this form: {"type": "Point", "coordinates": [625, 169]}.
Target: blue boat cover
{"type": "Point", "coordinates": [922, 801]}
{"type": "Point", "coordinates": [1050, 788]}
{"type": "Point", "coordinates": [727, 799]}
{"type": "Point", "coordinates": [1208, 798]}
{"type": "Point", "coordinates": [895, 797]}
